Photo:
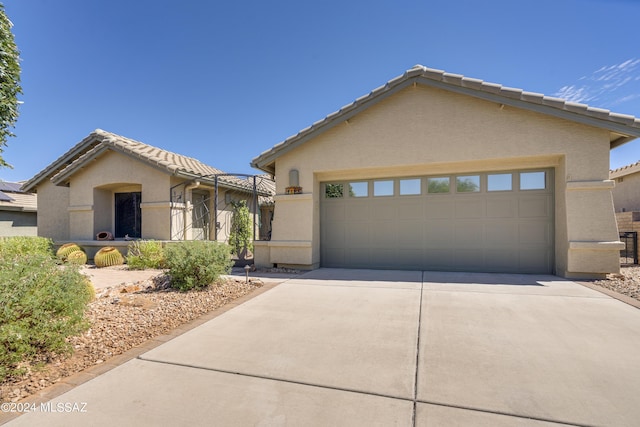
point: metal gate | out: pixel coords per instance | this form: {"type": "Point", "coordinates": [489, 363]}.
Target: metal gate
{"type": "Point", "coordinates": [630, 252]}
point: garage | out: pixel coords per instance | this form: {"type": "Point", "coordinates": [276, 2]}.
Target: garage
{"type": "Point", "coordinates": [486, 222]}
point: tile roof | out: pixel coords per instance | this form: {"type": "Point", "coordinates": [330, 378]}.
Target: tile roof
{"type": "Point", "coordinates": [625, 170]}
{"type": "Point", "coordinates": [623, 127]}
{"type": "Point", "coordinates": [99, 141]}
{"type": "Point", "coordinates": [12, 197]}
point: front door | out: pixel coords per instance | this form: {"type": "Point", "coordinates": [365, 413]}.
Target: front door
{"type": "Point", "coordinates": [128, 215]}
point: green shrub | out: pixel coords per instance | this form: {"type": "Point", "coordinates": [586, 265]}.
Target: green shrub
{"type": "Point", "coordinates": [144, 254]}
{"type": "Point", "coordinates": [11, 247]}
{"type": "Point", "coordinates": [241, 234]}
{"type": "Point", "coordinates": [197, 263]}
{"type": "Point", "coordinates": [41, 305]}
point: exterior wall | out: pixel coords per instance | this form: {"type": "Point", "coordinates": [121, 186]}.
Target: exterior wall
{"type": "Point", "coordinates": [91, 197]}
{"type": "Point", "coordinates": [18, 223]}
{"type": "Point", "coordinates": [626, 194]}
{"type": "Point", "coordinates": [426, 131]}
{"type": "Point", "coordinates": [53, 215]}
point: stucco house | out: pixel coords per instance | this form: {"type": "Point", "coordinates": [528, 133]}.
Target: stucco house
{"type": "Point", "coordinates": [437, 171]}
{"type": "Point", "coordinates": [128, 189]}
{"type": "Point", "coordinates": [18, 210]}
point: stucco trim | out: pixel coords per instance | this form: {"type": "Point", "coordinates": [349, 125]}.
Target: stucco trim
{"type": "Point", "coordinates": [590, 185]}
{"type": "Point", "coordinates": [290, 243]}
{"type": "Point", "coordinates": [80, 208]}
{"type": "Point", "coordinates": [596, 246]}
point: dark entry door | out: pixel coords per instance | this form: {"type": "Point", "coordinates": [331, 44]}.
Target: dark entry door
{"type": "Point", "coordinates": [128, 214]}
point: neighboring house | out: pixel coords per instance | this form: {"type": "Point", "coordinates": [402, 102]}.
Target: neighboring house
{"type": "Point", "coordinates": [108, 183]}
{"type": "Point", "coordinates": [18, 210]}
{"type": "Point", "coordinates": [626, 197]}
{"type": "Point", "coordinates": [437, 171]}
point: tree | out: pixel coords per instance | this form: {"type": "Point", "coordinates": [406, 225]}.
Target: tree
{"type": "Point", "coordinates": [9, 82]}
{"type": "Point", "coordinates": [241, 234]}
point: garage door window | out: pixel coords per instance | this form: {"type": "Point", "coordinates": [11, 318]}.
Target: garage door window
{"type": "Point", "coordinates": [499, 182]}
{"type": "Point", "coordinates": [532, 180]}
{"type": "Point", "coordinates": [438, 185]}
{"type": "Point", "coordinates": [468, 184]}
{"type": "Point", "coordinates": [383, 188]}
{"type": "Point", "coordinates": [359, 189]}
{"type": "Point", "coordinates": [410, 187]}
{"type": "Point", "coordinates": [333, 191]}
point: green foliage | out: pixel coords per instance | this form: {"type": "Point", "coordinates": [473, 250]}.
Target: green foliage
{"type": "Point", "coordinates": [197, 263]}
{"type": "Point", "coordinates": [333, 191]}
{"type": "Point", "coordinates": [12, 247]}
{"type": "Point", "coordinates": [41, 305]}
{"type": "Point", "coordinates": [438, 185]}
{"type": "Point", "coordinates": [9, 81]}
{"type": "Point", "coordinates": [144, 254]}
{"type": "Point", "coordinates": [241, 235]}
{"type": "Point", "coordinates": [108, 256]}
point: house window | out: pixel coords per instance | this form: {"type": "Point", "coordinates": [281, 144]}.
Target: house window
{"type": "Point", "coordinates": [128, 216]}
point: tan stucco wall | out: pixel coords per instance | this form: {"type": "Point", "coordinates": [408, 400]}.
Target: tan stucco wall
{"type": "Point", "coordinates": [626, 194]}
{"type": "Point", "coordinates": [53, 217]}
{"type": "Point", "coordinates": [18, 223]}
{"type": "Point", "coordinates": [424, 131]}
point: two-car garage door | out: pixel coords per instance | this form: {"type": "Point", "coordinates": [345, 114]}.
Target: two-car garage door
{"type": "Point", "coordinates": [493, 222]}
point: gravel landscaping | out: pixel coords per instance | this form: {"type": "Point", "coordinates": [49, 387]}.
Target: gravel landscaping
{"type": "Point", "coordinates": [121, 318]}
{"type": "Point", "coordinates": [626, 283]}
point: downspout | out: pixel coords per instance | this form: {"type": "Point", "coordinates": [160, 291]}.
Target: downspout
{"type": "Point", "coordinates": [187, 205]}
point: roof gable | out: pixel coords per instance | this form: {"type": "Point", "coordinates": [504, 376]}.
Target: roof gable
{"type": "Point", "coordinates": [623, 128]}
{"type": "Point", "coordinates": [100, 141]}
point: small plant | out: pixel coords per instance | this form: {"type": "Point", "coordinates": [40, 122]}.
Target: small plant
{"type": "Point", "coordinates": [241, 234]}
{"type": "Point", "coordinates": [197, 263]}
{"type": "Point", "coordinates": [77, 258]}
{"type": "Point", "coordinates": [144, 254]}
{"type": "Point", "coordinates": [42, 304]}
{"type": "Point", "coordinates": [108, 256]}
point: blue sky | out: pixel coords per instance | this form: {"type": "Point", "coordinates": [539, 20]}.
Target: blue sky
{"type": "Point", "coordinates": [224, 81]}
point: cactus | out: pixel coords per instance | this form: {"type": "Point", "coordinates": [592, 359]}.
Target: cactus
{"type": "Point", "coordinates": [66, 249]}
{"type": "Point", "coordinates": [108, 256]}
{"type": "Point", "coordinates": [77, 257]}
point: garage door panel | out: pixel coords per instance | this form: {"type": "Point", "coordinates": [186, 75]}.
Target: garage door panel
{"type": "Point", "coordinates": [411, 234]}
{"type": "Point", "coordinates": [438, 259]}
{"type": "Point", "coordinates": [501, 232]}
{"type": "Point", "coordinates": [410, 258]}
{"type": "Point", "coordinates": [357, 234]}
{"type": "Point", "coordinates": [383, 209]}
{"type": "Point", "coordinates": [468, 233]}
{"type": "Point", "coordinates": [358, 257]}
{"type": "Point", "coordinates": [439, 233]}
{"type": "Point", "coordinates": [504, 260]}
{"type": "Point", "coordinates": [502, 207]}
{"type": "Point", "coordinates": [334, 212]}
{"type": "Point", "coordinates": [534, 207]}
{"type": "Point", "coordinates": [439, 207]}
{"type": "Point", "coordinates": [469, 259]}
{"type": "Point", "coordinates": [357, 212]}
{"type": "Point", "coordinates": [334, 234]}
{"type": "Point", "coordinates": [473, 208]}
{"type": "Point", "coordinates": [533, 261]}
{"type": "Point", "coordinates": [384, 234]}
{"type": "Point", "coordinates": [411, 209]}
{"type": "Point", "coordinates": [535, 233]}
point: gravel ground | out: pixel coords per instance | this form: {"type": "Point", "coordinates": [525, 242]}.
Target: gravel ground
{"type": "Point", "coordinates": [121, 318]}
{"type": "Point", "coordinates": [626, 283]}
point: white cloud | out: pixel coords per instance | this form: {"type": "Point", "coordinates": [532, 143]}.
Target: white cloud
{"type": "Point", "coordinates": [608, 86]}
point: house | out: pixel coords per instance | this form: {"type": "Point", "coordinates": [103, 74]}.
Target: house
{"type": "Point", "coordinates": [437, 171]}
{"type": "Point", "coordinates": [626, 197]}
{"type": "Point", "coordinates": [108, 186]}
{"type": "Point", "coordinates": [18, 210]}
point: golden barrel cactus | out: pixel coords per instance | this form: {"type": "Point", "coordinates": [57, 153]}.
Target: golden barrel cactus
{"type": "Point", "coordinates": [64, 250]}
{"type": "Point", "coordinates": [107, 257]}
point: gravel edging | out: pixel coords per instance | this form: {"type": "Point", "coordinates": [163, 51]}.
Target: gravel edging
{"type": "Point", "coordinates": [77, 369]}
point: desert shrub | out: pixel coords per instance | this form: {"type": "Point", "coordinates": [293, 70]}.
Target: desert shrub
{"type": "Point", "coordinates": [143, 254]}
{"type": "Point", "coordinates": [197, 263]}
{"type": "Point", "coordinates": [11, 247]}
{"type": "Point", "coordinates": [108, 256]}
{"type": "Point", "coordinates": [41, 305]}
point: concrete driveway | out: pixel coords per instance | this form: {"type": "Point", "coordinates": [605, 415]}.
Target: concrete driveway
{"type": "Point", "coordinates": [361, 347]}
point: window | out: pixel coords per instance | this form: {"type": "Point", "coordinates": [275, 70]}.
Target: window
{"type": "Point", "coordinates": [333, 191]}
{"type": "Point", "coordinates": [532, 180]}
{"type": "Point", "coordinates": [410, 187]}
{"type": "Point", "coordinates": [468, 184]}
{"type": "Point", "coordinates": [128, 216]}
{"type": "Point", "coordinates": [359, 189]}
{"type": "Point", "coordinates": [438, 185]}
{"type": "Point", "coordinates": [383, 188]}
{"type": "Point", "coordinates": [499, 182]}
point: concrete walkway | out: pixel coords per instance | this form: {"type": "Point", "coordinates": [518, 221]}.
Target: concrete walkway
{"type": "Point", "coordinates": [387, 348]}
